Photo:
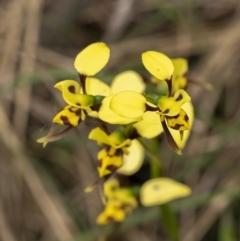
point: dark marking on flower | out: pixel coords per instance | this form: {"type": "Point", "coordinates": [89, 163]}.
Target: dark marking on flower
{"type": "Point", "coordinates": [173, 117]}
{"type": "Point", "coordinates": [65, 120]}
{"type": "Point", "coordinates": [169, 83]}
{"type": "Point", "coordinates": [170, 139]}
{"type": "Point", "coordinates": [150, 108]}
{"type": "Point", "coordinates": [99, 163]}
{"type": "Point", "coordinates": [177, 126]}
{"type": "Point", "coordinates": [166, 111]}
{"type": "Point", "coordinates": [180, 97]}
{"type": "Point", "coordinates": [118, 152]}
{"type": "Point", "coordinates": [111, 219]}
{"type": "Point", "coordinates": [111, 168]}
{"type": "Point", "coordinates": [83, 82]}
{"type": "Point", "coordinates": [78, 104]}
{"type": "Point", "coordinates": [78, 113]}
{"type": "Point", "coordinates": [186, 118]}
{"type": "Point", "coordinates": [72, 89]}
{"type": "Point", "coordinates": [70, 109]}
{"type": "Point", "coordinates": [181, 135]}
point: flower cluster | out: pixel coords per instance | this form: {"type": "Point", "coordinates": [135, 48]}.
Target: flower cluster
{"type": "Point", "coordinates": [134, 114]}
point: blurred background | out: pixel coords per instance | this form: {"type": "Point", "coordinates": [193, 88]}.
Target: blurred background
{"type": "Point", "coordinates": [42, 190]}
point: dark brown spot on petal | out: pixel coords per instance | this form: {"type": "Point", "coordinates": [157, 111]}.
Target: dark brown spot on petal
{"type": "Point", "coordinates": [112, 168]}
{"type": "Point", "coordinates": [172, 117]}
{"type": "Point", "coordinates": [70, 109]}
{"type": "Point", "coordinates": [180, 97]}
{"type": "Point", "coordinates": [176, 126]}
{"type": "Point", "coordinates": [166, 111]}
{"type": "Point", "coordinates": [72, 89]}
{"type": "Point", "coordinates": [186, 118]}
{"type": "Point", "coordinates": [65, 120]}
{"type": "Point", "coordinates": [78, 104]}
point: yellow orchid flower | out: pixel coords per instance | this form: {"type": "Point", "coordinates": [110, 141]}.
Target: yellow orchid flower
{"type": "Point", "coordinates": [119, 203]}
{"type": "Point", "coordinates": [162, 190]}
{"type": "Point", "coordinates": [112, 190]}
{"type": "Point", "coordinates": [110, 158]}
{"type": "Point", "coordinates": [129, 104]}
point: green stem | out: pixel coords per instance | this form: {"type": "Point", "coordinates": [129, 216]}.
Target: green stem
{"type": "Point", "coordinates": [167, 215]}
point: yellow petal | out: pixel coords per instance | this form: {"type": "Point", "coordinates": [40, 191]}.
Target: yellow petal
{"type": "Point", "coordinates": [99, 135]}
{"type": "Point", "coordinates": [128, 104]}
{"type": "Point", "coordinates": [71, 86]}
{"type": "Point", "coordinates": [180, 67]}
{"type": "Point", "coordinates": [95, 86]}
{"type": "Point", "coordinates": [128, 80]}
{"type": "Point", "coordinates": [150, 126]}
{"type": "Point", "coordinates": [107, 115]}
{"type": "Point", "coordinates": [92, 59]}
{"type": "Point", "coordinates": [158, 64]}
{"type": "Point", "coordinates": [162, 190]}
{"type": "Point", "coordinates": [133, 161]}
{"type": "Point", "coordinates": [70, 116]}
{"type": "Point", "coordinates": [188, 108]}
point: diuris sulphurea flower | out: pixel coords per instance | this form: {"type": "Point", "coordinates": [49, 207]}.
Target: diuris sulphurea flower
{"type": "Point", "coordinates": [119, 203]}
{"type": "Point", "coordinates": [87, 63]}
{"type": "Point", "coordinates": [115, 152]}
{"type": "Point", "coordinates": [125, 113]}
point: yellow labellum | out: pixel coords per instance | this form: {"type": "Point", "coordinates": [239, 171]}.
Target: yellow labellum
{"type": "Point", "coordinates": [92, 59]}
{"type": "Point", "coordinates": [69, 116]}
{"type": "Point", "coordinates": [162, 190]}
{"type": "Point", "coordinates": [158, 64]}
